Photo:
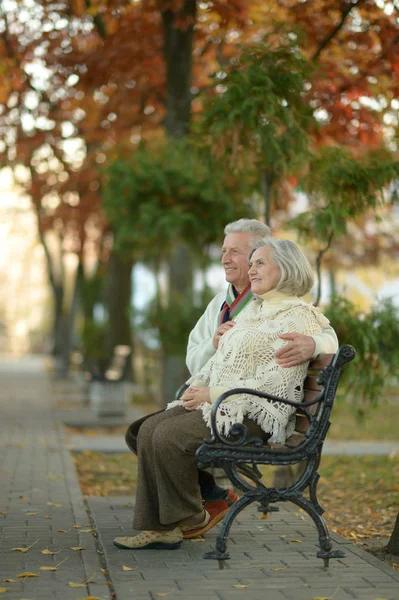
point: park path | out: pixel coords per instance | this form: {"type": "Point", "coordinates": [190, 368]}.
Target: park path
{"type": "Point", "coordinates": [40, 500]}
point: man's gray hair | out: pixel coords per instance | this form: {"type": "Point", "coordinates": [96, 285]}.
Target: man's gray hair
{"type": "Point", "coordinates": [296, 273]}
{"type": "Point", "coordinates": [256, 230]}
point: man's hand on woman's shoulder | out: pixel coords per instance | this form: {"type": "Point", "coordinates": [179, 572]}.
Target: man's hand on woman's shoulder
{"type": "Point", "coordinates": [299, 349]}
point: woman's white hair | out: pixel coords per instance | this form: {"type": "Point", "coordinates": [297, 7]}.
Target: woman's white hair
{"type": "Point", "coordinates": [256, 230]}
{"type": "Point", "coordinates": [296, 273]}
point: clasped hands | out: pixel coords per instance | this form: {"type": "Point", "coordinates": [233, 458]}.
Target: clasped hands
{"type": "Point", "coordinates": [195, 396]}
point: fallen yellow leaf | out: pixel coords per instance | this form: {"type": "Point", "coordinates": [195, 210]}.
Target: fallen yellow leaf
{"type": "Point", "coordinates": [104, 571]}
{"type": "Point", "coordinates": [27, 574]}
{"type": "Point", "coordinates": [48, 568]}
{"type": "Point", "coordinates": [2, 512]}
{"type": "Point", "coordinates": [265, 516]}
{"type": "Point", "coordinates": [63, 530]}
{"type": "Point", "coordinates": [30, 514]}
{"type": "Point", "coordinates": [240, 586]}
{"type": "Point", "coordinates": [54, 504]}
{"type": "Point", "coordinates": [278, 568]}
{"type": "Point", "coordinates": [86, 531]}
{"type": "Point", "coordinates": [320, 598]}
{"type": "Point", "coordinates": [24, 549]}
{"type": "Point", "coordinates": [3, 590]}
{"type": "Point", "coordinates": [10, 581]}
{"type": "Point", "coordinates": [295, 542]}
{"type": "Point", "coordinates": [77, 548]}
{"type": "Point", "coordinates": [200, 539]}
{"type": "Point", "coordinates": [125, 568]}
{"type": "Point", "coordinates": [76, 585]}
{"type": "Point", "coordinates": [78, 526]}
{"type": "Point", "coordinates": [47, 517]}
{"type": "Point", "coordinates": [48, 552]}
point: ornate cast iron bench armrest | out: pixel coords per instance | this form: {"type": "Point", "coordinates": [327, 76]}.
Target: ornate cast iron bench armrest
{"type": "Point", "coordinates": [217, 436]}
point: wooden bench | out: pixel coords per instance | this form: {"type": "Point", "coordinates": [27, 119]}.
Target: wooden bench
{"type": "Point", "coordinates": [240, 456]}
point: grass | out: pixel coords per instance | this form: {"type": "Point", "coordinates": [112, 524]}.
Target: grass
{"type": "Point", "coordinates": [374, 423]}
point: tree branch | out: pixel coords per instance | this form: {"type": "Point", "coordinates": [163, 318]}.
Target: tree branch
{"type": "Point", "coordinates": [336, 29]}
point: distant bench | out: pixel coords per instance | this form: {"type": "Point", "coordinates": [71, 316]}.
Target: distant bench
{"type": "Point", "coordinates": [108, 391]}
{"type": "Point", "coordinates": [239, 455]}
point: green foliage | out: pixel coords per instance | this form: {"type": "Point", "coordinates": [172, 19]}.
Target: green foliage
{"type": "Point", "coordinates": [340, 189]}
{"type": "Point", "coordinates": [261, 106]}
{"type": "Point", "coordinates": [374, 336]}
{"type": "Point", "coordinates": [170, 192]}
{"type": "Point", "coordinates": [93, 340]}
{"type": "Point", "coordinates": [173, 323]}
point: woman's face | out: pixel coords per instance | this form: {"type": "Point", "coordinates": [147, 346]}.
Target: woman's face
{"type": "Point", "coordinates": [264, 274]}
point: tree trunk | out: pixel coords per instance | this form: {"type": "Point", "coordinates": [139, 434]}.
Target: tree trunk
{"type": "Point", "coordinates": [178, 30]}
{"type": "Point", "coordinates": [118, 293]}
{"type": "Point", "coordinates": [174, 370]}
{"type": "Point", "coordinates": [319, 258]}
{"type": "Point", "coordinates": [393, 544]}
{"type": "Point", "coordinates": [285, 476]}
{"type": "Point", "coordinates": [69, 322]}
{"type": "Point", "coordinates": [267, 187]}
{"type": "Point", "coordinates": [333, 283]}
{"type": "Point", "coordinates": [58, 320]}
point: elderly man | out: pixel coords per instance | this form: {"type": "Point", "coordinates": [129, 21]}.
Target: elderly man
{"type": "Point", "coordinates": [240, 237]}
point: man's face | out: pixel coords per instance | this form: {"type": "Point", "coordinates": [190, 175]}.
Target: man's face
{"type": "Point", "coordinates": [235, 251]}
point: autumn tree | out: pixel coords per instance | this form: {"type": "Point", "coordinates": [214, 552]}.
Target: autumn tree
{"type": "Point", "coordinates": [166, 193]}
{"type": "Point", "coordinates": [260, 117]}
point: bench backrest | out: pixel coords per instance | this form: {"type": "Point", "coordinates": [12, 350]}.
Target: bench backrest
{"type": "Point", "coordinates": [312, 389]}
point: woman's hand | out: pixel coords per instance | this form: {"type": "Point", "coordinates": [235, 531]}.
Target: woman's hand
{"type": "Point", "coordinates": [195, 396]}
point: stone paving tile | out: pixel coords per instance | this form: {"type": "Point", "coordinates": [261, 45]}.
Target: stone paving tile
{"type": "Point", "coordinates": [303, 576]}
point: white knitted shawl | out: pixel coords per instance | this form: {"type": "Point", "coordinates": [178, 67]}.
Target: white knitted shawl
{"type": "Point", "coordinates": [245, 358]}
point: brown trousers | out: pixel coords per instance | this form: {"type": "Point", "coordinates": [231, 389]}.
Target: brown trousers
{"type": "Point", "coordinates": [167, 482]}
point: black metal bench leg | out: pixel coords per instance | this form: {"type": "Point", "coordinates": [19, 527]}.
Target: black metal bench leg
{"type": "Point", "coordinates": [326, 551]}
{"type": "Point", "coordinates": [220, 554]}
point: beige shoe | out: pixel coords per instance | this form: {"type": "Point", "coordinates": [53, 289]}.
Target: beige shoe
{"type": "Point", "coordinates": [159, 540]}
{"type": "Point", "coordinates": [187, 527]}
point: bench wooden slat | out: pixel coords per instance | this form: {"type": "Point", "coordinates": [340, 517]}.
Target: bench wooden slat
{"type": "Point", "coordinates": [320, 362]}
{"type": "Point", "coordinates": [310, 382]}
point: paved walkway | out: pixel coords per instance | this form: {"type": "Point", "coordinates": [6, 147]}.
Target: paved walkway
{"type": "Point", "coordinates": [113, 444]}
{"type": "Point", "coordinates": [40, 500]}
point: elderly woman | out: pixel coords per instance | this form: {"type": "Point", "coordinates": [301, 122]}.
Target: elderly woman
{"type": "Point", "coordinates": [168, 501]}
